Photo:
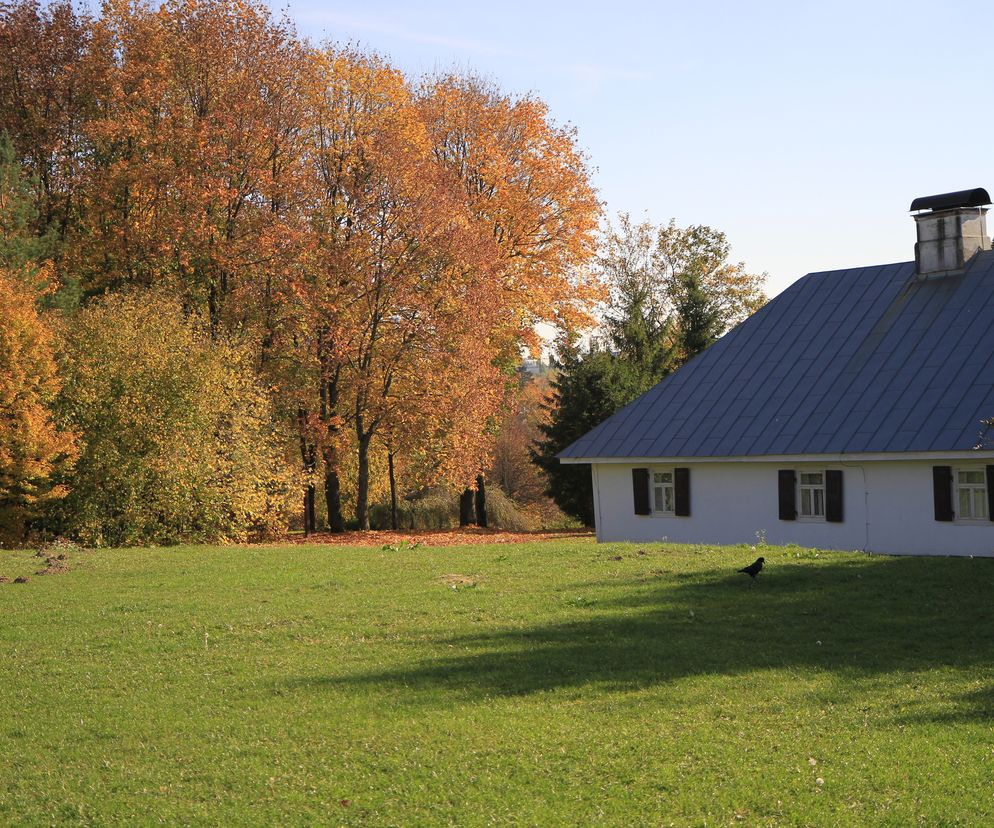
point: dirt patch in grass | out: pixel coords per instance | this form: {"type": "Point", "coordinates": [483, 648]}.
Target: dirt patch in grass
{"type": "Point", "coordinates": [59, 557]}
{"type": "Point", "coordinates": [448, 537]}
{"type": "Point", "coordinates": [459, 581]}
{"type": "Point", "coordinates": [54, 566]}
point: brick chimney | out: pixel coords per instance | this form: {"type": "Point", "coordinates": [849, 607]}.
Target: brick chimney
{"type": "Point", "coordinates": [952, 227]}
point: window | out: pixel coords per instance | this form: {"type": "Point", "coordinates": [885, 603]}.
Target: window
{"type": "Point", "coordinates": [812, 494]}
{"type": "Point", "coordinates": [971, 494]}
{"type": "Point", "coordinates": [663, 494]}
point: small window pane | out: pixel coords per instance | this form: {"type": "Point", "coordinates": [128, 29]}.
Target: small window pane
{"type": "Point", "coordinates": [980, 503]}
{"type": "Point", "coordinates": [668, 500]}
{"type": "Point", "coordinates": [660, 505]}
{"type": "Point", "coordinates": [667, 477]}
{"type": "Point", "coordinates": [971, 477]}
{"type": "Point", "coordinates": [819, 502]}
{"type": "Point", "coordinates": [964, 504]}
{"type": "Point", "coordinates": [657, 477]}
{"type": "Point", "coordinates": [811, 479]}
{"type": "Point", "coordinates": [805, 501]}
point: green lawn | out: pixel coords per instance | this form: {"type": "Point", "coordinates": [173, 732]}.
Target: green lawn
{"type": "Point", "coordinates": [550, 685]}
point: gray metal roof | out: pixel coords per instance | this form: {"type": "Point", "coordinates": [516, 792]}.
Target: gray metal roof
{"type": "Point", "coordinates": [863, 360]}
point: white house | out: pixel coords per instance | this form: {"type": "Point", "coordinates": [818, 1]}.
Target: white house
{"type": "Point", "coordinates": [845, 414]}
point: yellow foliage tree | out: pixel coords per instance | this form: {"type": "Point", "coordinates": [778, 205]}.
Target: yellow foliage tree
{"type": "Point", "coordinates": [180, 440]}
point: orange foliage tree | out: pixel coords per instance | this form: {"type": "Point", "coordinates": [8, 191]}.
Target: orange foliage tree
{"type": "Point", "coordinates": [397, 256]}
{"type": "Point", "coordinates": [32, 449]}
{"type": "Point", "coordinates": [195, 141]}
{"type": "Point", "coordinates": [45, 101]}
{"type": "Point", "coordinates": [526, 185]}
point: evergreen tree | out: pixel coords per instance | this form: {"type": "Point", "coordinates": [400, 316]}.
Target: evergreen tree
{"type": "Point", "coordinates": [699, 319]}
{"type": "Point", "coordinates": [641, 338]}
{"type": "Point", "coordinates": [24, 251]}
{"type": "Point", "coordinates": [587, 389]}
{"type": "Point", "coordinates": [21, 248]}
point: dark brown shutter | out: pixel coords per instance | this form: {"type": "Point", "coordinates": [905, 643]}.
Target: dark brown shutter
{"type": "Point", "coordinates": [990, 492]}
{"type": "Point", "coordinates": [640, 490]}
{"type": "Point", "coordinates": [787, 485]}
{"type": "Point", "coordinates": [942, 492]}
{"type": "Point", "coordinates": [833, 496]}
{"type": "Point", "coordinates": [681, 492]}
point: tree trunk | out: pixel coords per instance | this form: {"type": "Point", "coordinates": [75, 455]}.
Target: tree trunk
{"type": "Point", "coordinates": [481, 502]}
{"type": "Point", "coordinates": [329, 417]}
{"type": "Point", "coordinates": [310, 516]}
{"type": "Point", "coordinates": [362, 486]}
{"type": "Point", "coordinates": [333, 492]}
{"type": "Point", "coordinates": [466, 507]}
{"type": "Point", "coordinates": [393, 492]}
{"type": "Point", "coordinates": [309, 458]}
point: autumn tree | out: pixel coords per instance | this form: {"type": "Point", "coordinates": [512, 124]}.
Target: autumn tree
{"type": "Point", "coordinates": [512, 468]}
{"type": "Point", "coordinates": [33, 449]}
{"type": "Point", "coordinates": [360, 168]}
{"type": "Point", "coordinates": [197, 177]}
{"type": "Point", "coordinates": [527, 185]}
{"type": "Point", "coordinates": [376, 244]}
{"type": "Point", "coordinates": [194, 152]}
{"type": "Point", "coordinates": [45, 101]}
{"type": "Point", "coordinates": [406, 302]}
{"type": "Point", "coordinates": [527, 182]}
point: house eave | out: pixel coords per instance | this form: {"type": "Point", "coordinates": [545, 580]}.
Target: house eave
{"type": "Point", "coordinates": [901, 456]}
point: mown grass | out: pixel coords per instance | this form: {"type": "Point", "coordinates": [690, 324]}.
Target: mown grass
{"type": "Point", "coordinates": [548, 684]}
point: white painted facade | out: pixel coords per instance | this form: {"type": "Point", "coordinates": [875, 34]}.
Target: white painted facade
{"type": "Point", "coordinates": [888, 505]}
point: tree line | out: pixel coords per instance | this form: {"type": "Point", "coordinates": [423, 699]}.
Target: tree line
{"type": "Point", "coordinates": [246, 277]}
{"type": "Point", "coordinates": [381, 248]}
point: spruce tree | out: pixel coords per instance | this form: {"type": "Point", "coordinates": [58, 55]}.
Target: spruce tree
{"type": "Point", "coordinates": [699, 321]}
{"type": "Point", "coordinates": [587, 389]}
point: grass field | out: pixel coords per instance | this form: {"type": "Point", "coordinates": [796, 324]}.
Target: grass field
{"type": "Point", "coordinates": [528, 684]}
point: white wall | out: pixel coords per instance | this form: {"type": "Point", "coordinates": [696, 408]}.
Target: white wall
{"type": "Point", "coordinates": [887, 508]}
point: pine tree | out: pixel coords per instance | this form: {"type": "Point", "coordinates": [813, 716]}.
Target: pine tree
{"type": "Point", "coordinates": [699, 319]}
{"type": "Point", "coordinates": [587, 389]}
{"type": "Point", "coordinates": [21, 248]}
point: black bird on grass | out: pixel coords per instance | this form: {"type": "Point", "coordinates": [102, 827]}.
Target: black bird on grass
{"type": "Point", "coordinates": [753, 569]}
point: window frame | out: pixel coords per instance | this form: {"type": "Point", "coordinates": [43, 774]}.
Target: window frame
{"type": "Point", "coordinates": [801, 487]}
{"type": "Point", "coordinates": [671, 471]}
{"type": "Point", "coordinates": [977, 488]}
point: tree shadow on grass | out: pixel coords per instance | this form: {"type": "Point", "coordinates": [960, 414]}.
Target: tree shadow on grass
{"type": "Point", "coordinates": [857, 617]}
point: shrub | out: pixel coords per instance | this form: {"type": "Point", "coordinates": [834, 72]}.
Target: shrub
{"type": "Point", "coordinates": [178, 438]}
{"type": "Point", "coordinates": [437, 509]}
{"type": "Point", "coordinates": [504, 513]}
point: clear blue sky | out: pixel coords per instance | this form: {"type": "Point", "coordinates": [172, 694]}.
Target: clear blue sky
{"type": "Point", "coordinates": [802, 129]}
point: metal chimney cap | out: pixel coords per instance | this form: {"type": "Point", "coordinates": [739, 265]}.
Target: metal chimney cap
{"type": "Point", "coordinates": [950, 201]}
